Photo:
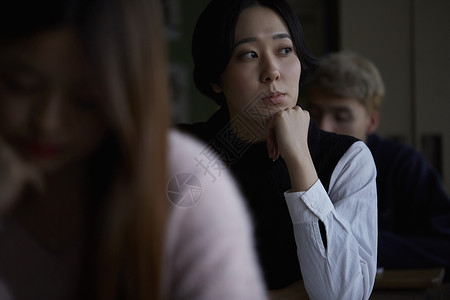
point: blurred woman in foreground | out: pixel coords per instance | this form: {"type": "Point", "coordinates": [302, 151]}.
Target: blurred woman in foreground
{"type": "Point", "coordinates": [84, 206]}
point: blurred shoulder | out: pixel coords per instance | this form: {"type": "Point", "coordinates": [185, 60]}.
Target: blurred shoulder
{"type": "Point", "coordinates": [209, 233]}
{"type": "Point", "coordinates": [204, 196]}
{"type": "Point", "coordinates": [192, 161]}
{"type": "Point", "coordinates": [183, 145]}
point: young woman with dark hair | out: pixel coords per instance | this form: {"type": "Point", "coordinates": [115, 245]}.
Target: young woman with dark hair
{"type": "Point", "coordinates": [312, 194]}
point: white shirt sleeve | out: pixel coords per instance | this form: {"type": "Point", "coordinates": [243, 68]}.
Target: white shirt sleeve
{"type": "Point", "coordinates": [346, 268]}
{"type": "Point", "coordinates": [210, 251]}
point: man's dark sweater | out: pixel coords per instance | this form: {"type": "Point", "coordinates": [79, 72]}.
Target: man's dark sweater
{"type": "Point", "coordinates": [414, 211]}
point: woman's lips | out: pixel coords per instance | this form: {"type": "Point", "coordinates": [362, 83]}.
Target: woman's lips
{"type": "Point", "coordinates": [275, 99]}
{"type": "Point", "coordinates": [42, 150]}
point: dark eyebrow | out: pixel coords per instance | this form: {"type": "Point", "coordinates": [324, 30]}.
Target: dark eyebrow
{"type": "Point", "coordinates": [277, 36]}
{"type": "Point", "coordinates": [280, 36]}
{"type": "Point", "coordinates": [245, 40]}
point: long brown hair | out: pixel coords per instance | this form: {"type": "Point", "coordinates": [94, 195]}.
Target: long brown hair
{"type": "Point", "coordinates": [127, 42]}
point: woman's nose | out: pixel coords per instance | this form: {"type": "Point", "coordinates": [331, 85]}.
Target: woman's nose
{"type": "Point", "coordinates": [270, 71]}
{"type": "Point", "coordinates": [49, 114]}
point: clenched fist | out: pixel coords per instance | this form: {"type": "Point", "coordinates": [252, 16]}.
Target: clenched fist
{"type": "Point", "coordinates": [287, 135]}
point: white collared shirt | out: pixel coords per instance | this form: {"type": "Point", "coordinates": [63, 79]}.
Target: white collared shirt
{"type": "Point", "coordinates": [346, 269]}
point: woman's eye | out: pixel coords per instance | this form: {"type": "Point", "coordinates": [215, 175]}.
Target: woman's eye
{"type": "Point", "coordinates": [285, 51]}
{"type": "Point", "coordinates": [248, 55]}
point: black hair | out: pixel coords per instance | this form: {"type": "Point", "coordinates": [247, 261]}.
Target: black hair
{"type": "Point", "coordinates": [213, 38]}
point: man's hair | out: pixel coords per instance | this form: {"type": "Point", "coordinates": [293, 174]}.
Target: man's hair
{"type": "Point", "coordinates": [348, 75]}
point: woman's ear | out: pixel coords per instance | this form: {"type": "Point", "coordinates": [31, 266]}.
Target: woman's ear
{"type": "Point", "coordinates": [216, 88]}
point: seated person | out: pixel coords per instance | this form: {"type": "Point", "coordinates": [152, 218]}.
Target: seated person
{"type": "Point", "coordinates": [311, 194]}
{"type": "Point", "coordinates": [344, 96]}
{"type": "Point", "coordinates": [85, 160]}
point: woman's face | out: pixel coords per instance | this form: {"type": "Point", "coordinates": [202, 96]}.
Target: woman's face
{"type": "Point", "coordinates": [263, 74]}
{"type": "Point", "coordinates": [50, 105]}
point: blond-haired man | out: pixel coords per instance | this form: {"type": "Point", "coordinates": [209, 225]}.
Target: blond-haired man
{"type": "Point", "coordinates": [344, 96]}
